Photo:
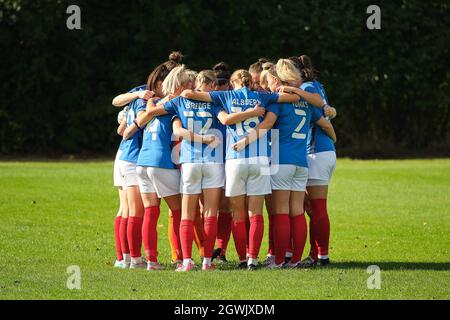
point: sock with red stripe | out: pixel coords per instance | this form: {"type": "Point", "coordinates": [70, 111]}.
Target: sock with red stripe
{"type": "Point", "coordinates": [150, 233]}
{"type": "Point", "coordinates": [321, 223]}
{"type": "Point", "coordinates": [224, 224]}
{"type": "Point", "coordinates": [187, 237]}
{"type": "Point", "coordinates": [134, 235]}
{"type": "Point", "coordinates": [123, 236]}
{"type": "Point", "coordinates": [256, 235]}
{"type": "Point", "coordinates": [117, 221]}
{"type": "Point", "coordinates": [240, 239]}
{"type": "Point", "coordinates": [299, 232]}
{"type": "Point", "coordinates": [282, 236]}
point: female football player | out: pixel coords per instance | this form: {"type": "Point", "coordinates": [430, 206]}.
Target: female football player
{"type": "Point", "coordinates": [129, 228]}
{"type": "Point", "coordinates": [321, 163]}
{"type": "Point", "coordinates": [223, 74]}
{"type": "Point", "coordinates": [128, 161]}
{"type": "Point", "coordinates": [122, 213]}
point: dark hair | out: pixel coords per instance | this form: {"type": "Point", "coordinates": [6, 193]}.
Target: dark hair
{"type": "Point", "coordinates": [161, 71]}
{"type": "Point", "coordinates": [296, 61]}
{"type": "Point", "coordinates": [222, 72]}
{"type": "Point", "coordinates": [257, 67]}
{"type": "Point", "coordinates": [306, 68]}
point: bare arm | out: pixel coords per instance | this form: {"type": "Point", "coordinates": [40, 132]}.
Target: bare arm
{"type": "Point", "coordinates": [313, 98]}
{"type": "Point", "coordinates": [145, 117]}
{"type": "Point", "coordinates": [196, 95]}
{"type": "Point", "coordinates": [122, 127]}
{"type": "Point", "coordinates": [326, 126]}
{"type": "Point", "coordinates": [181, 132]}
{"type": "Point", "coordinates": [236, 117]}
{"type": "Point", "coordinates": [256, 133]}
{"type": "Point", "coordinates": [125, 98]}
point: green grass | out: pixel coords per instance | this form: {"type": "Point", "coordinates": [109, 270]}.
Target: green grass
{"type": "Point", "coordinates": [394, 214]}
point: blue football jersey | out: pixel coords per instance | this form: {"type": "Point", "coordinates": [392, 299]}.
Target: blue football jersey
{"type": "Point", "coordinates": [292, 128]}
{"type": "Point", "coordinates": [131, 147]}
{"type": "Point", "coordinates": [320, 141]}
{"type": "Point", "coordinates": [237, 101]}
{"type": "Point", "coordinates": [201, 118]}
{"type": "Point", "coordinates": [156, 148]}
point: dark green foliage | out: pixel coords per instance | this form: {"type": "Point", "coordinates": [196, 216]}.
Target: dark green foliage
{"type": "Point", "coordinates": [390, 86]}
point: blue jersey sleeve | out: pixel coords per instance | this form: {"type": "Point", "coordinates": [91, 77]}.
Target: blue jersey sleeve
{"type": "Point", "coordinates": [268, 98]}
{"type": "Point", "coordinates": [316, 114]}
{"type": "Point", "coordinates": [219, 97]}
{"type": "Point", "coordinates": [141, 105]}
{"type": "Point", "coordinates": [309, 87]}
{"type": "Point", "coordinates": [172, 106]}
{"type": "Point", "coordinates": [274, 108]}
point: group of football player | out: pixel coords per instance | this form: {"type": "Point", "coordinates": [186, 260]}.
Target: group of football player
{"type": "Point", "coordinates": [216, 146]}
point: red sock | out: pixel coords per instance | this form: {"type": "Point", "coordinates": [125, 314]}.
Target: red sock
{"type": "Point", "coordinates": [299, 231]}
{"type": "Point", "coordinates": [321, 223]}
{"type": "Point", "coordinates": [187, 237]}
{"type": "Point", "coordinates": [256, 235]}
{"type": "Point", "coordinates": [224, 230]}
{"type": "Point", "coordinates": [123, 236]}
{"type": "Point", "coordinates": [150, 233]}
{"type": "Point", "coordinates": [117, 238]}
{"type": "Point", "coordinates": [282, 236]}
{"type": "Point", "coordinates": [271, 223]}
{"type": "Point", "coordinates": [240, 239]}
{"type": "Point", "coordinates": [174, 233]}
{"type": "Point", "coordinates": [247, 227]}
{"type": "Point", "coordinates": [210, 235]}
{"type": "Point", "coordinates": [313, 251]}
{"type": "Point", "coordinates": [134, 235]}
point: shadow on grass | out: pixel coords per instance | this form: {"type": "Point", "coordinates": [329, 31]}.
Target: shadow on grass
{"type": "Point", "coordinates": [390, 265]}
{"type": "Point", "coordinates": [385, 265]}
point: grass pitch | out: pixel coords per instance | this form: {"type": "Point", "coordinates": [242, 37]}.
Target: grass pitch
{"type": "Point", "coordinates": [393, 214]}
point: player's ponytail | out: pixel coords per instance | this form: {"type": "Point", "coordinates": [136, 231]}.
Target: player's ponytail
{"type": "Point", "coordinates": [242, 77]}
{"type": "Point", "coordinates": [162, 71]}
{"type": "Point", "coordinates": [307, 71]}
{"type": "Point", "coordinates": [222, 72]}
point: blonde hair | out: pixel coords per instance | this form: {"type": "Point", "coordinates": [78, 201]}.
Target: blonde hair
{"type": "Point", "coordinates": [205, 77]}
{"type": "Point", "coordinates": [287, 71]}
{"type": "Point", "coordinates": [263, 79]}
{"type": "Point", "coordinates": [178, 77]}
{"type": "Point", "coordinates": [243, 77]}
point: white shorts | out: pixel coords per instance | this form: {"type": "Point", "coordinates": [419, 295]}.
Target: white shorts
{"type": "Point", "coordinates": [127, 171]}
{"type": "Point", "coordinates": [289, 177]}
{"type": "Point", "coordinates": [117, 178]}
{"type": "Point", "coordinates": [320, 168]}
{"type": "Point", "coordinates": [249, 177]}
{"type": "Point", "coordinates": [163, 182]}
{"type": "Point", "coordinates": [199, 176]}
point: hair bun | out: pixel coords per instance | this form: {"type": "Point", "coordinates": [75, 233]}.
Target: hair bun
{"type": "Point", "coordinates": [263, 60]}
{"type": "Point", "coordinates": [176, 57]}
{"type": "Point", "coordinates": [221, 66]}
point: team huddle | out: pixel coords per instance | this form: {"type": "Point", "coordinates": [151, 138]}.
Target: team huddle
{"type": "Point", "coordinates": [217, 146]}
